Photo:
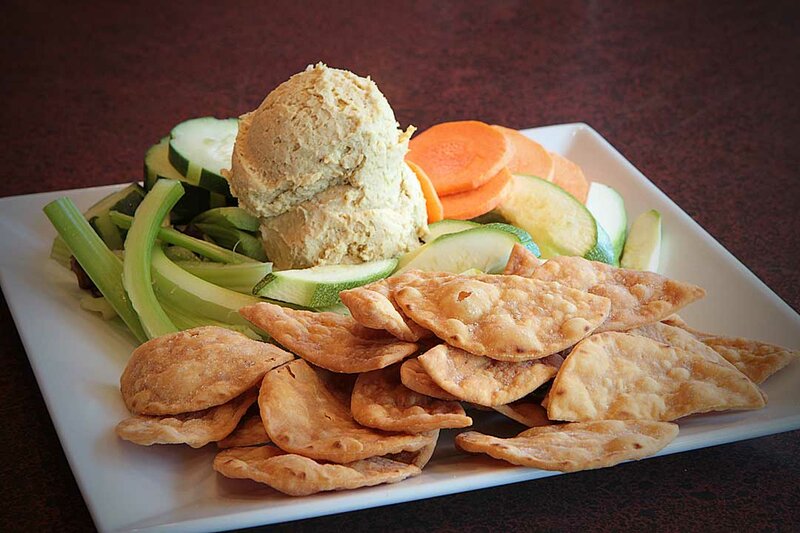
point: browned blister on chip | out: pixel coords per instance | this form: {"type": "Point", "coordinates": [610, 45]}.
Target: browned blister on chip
{"type": "Point", "coordinates": [195, 369]}
{"type": "Point", "coordinates": [637, 297]}
{"type": "Point", "coordinates": [195, 429]}
{"type": "Point", "coordinates": [509, 318]}
{"type": "Point", "coordinates": [522, 262]}
{"type": "Point", "coordinates": [757, 360]}
{"type": "Point", "coordinates": [372, 306]}
{"type": "Point", "coordinates": [296, 475]}
{"type": "Point", "coordinates": [577, 446]}
{"type": "Point", "coordinates": [329, 340]}
{"type": "Point", "coordinates": [249, 432]}
{"type": "Point", "coordinates": [621, 376]}
{"type": "Point", "coordinates": [413, 376]}
{"type": "Point", "coordinates": [301, 415]}
{"type": "Point", "coordinates": [484, 381]}
{"type": "Point", "coordinates": [381, 401]}
{"type": "Point", "coordinates": [526, 412]}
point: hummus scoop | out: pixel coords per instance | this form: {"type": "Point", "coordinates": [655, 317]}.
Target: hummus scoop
{"type": "Point", "coordinates": [321, 163]}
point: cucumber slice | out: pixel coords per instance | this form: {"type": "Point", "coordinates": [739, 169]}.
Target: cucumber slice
{"type": "Point", "coordinates": [608, 208]}
{"type": "Point", "coordinates": [195, 199]}
{"type": "Point", "coordinates": [443, 227]}
{"type": "Point", "coordinates": [233, 217]}
{"type": "Point", "coordinates": [320, 286]}
{"type": "Point", "coordinates": [643, 247]}
{"type": "Point", "coordinates": [559, 223]}
{"type": "Point", "coordinates": [485, 248]}
{"type": "Point", "coordinates": [488, 218]}
{"type": "Point", "coordinates": [524, 237]}
{"type": "Point", "coordinates": [200, 148]}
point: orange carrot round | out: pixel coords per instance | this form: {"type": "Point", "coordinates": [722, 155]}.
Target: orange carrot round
{"type": "Point", "coordinates": [460, 156]}
{"type": "Point", "coordinates": [432, 203]}
{"type": "Point", "coordinates": [569, 177]}
{"type": "Point", "coordinates": [466, 205]}
{"type": "Point", "coordinates": [528, 157]}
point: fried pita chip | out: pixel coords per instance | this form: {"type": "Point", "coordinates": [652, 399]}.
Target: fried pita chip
{"type": "Point", "coordinates": [381, 401]}
{"type": "Point", "coordinates": [413, 376]}
{"type": "Point", "coordinates": [372, 306]}
{"type": "Point", "coordinates": [525, 412]}
{"type": "Point", "coordinates": [756, 360]}
{"type": "Point", "coordinates": [329, 340]}
{"type": "Point", "coordinates": [508, 318]}
{"type": "Point", "coordinates": [195, 369]}
{"type": "Point", "coordinates": [522, 262]}
{"type": "Point", "coordinates": [249, 432]}
{"type": "Point", "coordinates": [679, 338]}
{"type": "Point", "coordinates": [195, 429]}
{"type": "Point", "coordinates": [637, 297]}
{"type": "Point", "coordinates": [301, 415]}
{"type": "Point", "coordinates": [484, 381]}
{"type": "Point", "coordinates": [622, 376]}
{"type": "Point", "coordinates": [421, 457]}
{"type": "Point", "coordinates": [577, 446]}
{"type": "Point", "coordinates": [296, 475]}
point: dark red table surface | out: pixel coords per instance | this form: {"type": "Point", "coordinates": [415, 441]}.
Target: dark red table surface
{"type": "Point", "coordinates": [701, 97]}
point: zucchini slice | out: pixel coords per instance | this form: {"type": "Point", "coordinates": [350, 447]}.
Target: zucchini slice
{"type": "Point", "coordinates": [320, 286]}
{"type": "Point", "coordinates": [559, 223]}
{"type": "Point", "coordinates": [200, 148]}
{"type": "Point", "coordinates": [643, 248]}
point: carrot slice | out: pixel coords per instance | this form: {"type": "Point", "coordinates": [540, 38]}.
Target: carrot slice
{"type": "Point", "coordinates": [459, 156]}
{"type": "Point", "coordinates": [569, 177]}
{"type": "Point", "coordinates": [466, 205]}
{"type": "Point", "coordinates": [528, 156]}
{"type": "Point", "coordinates": [432, 203]}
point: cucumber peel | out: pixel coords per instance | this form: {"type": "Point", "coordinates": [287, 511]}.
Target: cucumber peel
{"type": "Point", "coordinates": [608, 208]}
{"type": "Point", "coordinates": [200, 148]}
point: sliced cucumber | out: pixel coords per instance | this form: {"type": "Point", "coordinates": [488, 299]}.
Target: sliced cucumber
{"type": "Point", "coordinates": [524, 237]}
{"type": "Point", "coordinates": [234, 239]}
{"type": "Point", "coordinates": [195, 199]}
{"type": "Point", "coordinates": [233, 217]}
{"type": "Point", "coordinates": [443, 227]}
{"type": "Point", "coordinates": [488, 218]}
{"type": "Point", "coordinates": [320, 286]}
{"type": "Point", "coordinates": [608, 208]}
{"type": "Point", "coordinates": [200, 148]}
{"type": "Point", "coordinates": [643, 247]}
{"type": "Point", "coordinates": [485, 248]}
{"type": "Point", "coordinates": [558, 223]}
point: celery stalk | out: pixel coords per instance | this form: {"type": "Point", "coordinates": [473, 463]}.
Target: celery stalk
{"type": "Point", "coordinates": [238, 277]}
{"type": "Point", "coordinates": [103, 267]}
{"type": "Point", "coordinates": [172, 236]}
{"type": "Point", "coordinates": [178, 288]}
{"type": "Point", "coordinates": [186, 320]}
{"type": "Point", "coordinates": [136, 275]}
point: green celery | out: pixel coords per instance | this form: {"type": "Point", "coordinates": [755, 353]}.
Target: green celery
{"type": "Point", "coordinates": [240, 278]}
{"type": "Point", "coordinates": [103, 267]}
{"type": "Point", "coordinates": [139, 244]}
{"type": "Point", "coordinates": [173, 236]}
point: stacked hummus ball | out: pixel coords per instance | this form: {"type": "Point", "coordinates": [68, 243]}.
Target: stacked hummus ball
{"type": "Point", "coordinates": [321, 164]}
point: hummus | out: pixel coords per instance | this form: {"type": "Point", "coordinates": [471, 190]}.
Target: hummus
{"type": "Point", "coordinates": [321, 163]}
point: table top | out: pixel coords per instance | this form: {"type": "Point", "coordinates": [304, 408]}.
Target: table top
{"type": "Point", "coordinates": [702, 98]}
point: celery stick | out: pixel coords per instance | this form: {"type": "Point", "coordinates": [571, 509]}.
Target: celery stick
{"type": "Point", "coordinates": [185, 320]}
{"type": "Point", "coordinates": [178, 288]}
{"type": "Point", "coordinates": [103, 267]}
{"type": "Point", "coordinates": [172, 236]}
{"type": "Point", "coordinates": [136, 275]}
{"type": "Point", "coordinates": [240, 278]}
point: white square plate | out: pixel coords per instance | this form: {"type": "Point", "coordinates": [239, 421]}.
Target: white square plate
{"type": "Point", "coordinates": [78, 358]}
